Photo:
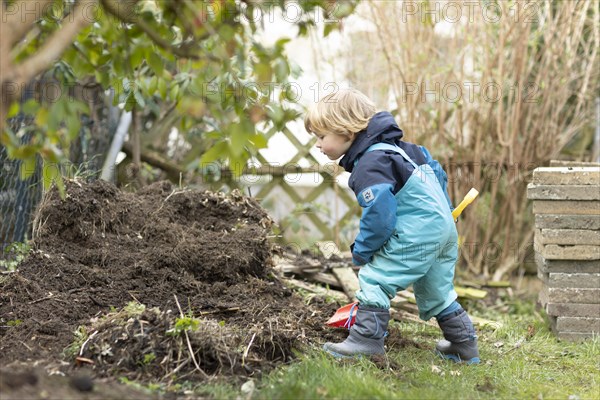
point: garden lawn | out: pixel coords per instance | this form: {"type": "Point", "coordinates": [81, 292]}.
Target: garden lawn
{"type": "Point", "coordinates": [520, 360]}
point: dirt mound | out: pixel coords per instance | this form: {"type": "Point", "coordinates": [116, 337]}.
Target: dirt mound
{"type": "Point", "coordinates": [211, 235]}
{"type": "Point", "coordinates": [154, 285]}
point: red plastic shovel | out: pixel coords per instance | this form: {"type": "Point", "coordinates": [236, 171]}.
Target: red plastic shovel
{"type": "Point", "coordinates": [344, 316]}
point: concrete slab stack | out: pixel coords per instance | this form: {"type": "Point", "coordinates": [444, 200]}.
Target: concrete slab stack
{"type": "Point", "coordinates": [566, 204]}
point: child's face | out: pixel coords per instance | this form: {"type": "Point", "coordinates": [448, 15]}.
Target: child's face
{"type": "Point", "coordinates": [332, 145]}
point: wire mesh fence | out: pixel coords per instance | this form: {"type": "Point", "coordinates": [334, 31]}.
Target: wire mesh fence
{"type": "Point", "coordinates": [18, 201]}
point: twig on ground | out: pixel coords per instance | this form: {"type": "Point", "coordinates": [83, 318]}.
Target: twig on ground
{"type": "Point", "coordinates": [25, 344]}
{"type": "Point", "coordinates": [187, 338]}
{"type": "Point", "coordinates": [248, 349]}
{"type": "Point", "coordinates": [178, 368]}
{"type": "Point", "coordinates": [174, 192]}
{"type": "Point", "coordinates": [83, 360]}
{"type": "Point", "coordinates": [134, 298]}
{"type": "Point", "coordinates": [230, 309]}
{"type": "Point", "coordinates": [86, 341]}
{"type": "Point", "coordinates": [49, 297]}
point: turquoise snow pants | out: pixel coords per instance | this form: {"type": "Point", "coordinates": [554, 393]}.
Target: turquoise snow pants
{"type": "Point", "coordinates": [422, 251]}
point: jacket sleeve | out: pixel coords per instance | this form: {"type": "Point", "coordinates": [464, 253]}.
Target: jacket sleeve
{"type": "Point", "coordinates": [377, 222]}
{"type": "Point", "coordinates": [439, 173]}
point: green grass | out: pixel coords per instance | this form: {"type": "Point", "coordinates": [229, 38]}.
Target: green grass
{"type": "Point", "coordinates": [520, 360]}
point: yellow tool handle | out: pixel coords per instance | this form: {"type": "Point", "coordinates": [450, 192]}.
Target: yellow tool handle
{"type": "Point", "coordinates": [466, 201]}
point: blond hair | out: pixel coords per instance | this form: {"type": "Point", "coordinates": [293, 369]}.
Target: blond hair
{"type": "Point", "coordinates": [345, 112]}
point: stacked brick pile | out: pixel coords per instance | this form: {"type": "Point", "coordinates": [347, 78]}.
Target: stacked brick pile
{"type": "Point", "coordinates": [566, 204]}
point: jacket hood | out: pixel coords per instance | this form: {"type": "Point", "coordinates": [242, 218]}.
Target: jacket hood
{"type": "Point", "coordinates": [381, 128]}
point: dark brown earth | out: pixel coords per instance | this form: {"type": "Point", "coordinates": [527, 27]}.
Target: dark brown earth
{"type": "Point", "coordinates": [161, 285]}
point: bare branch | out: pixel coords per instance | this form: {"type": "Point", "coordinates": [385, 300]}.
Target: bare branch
{"type": "Point", "coordinates": [163, 43]}
{"type": "Point", "coordinates": [20, 17]}
{"type": "Point", "coordinates": [55, 45]}
{"type": "Point", "coordinates": [5, 47]}
{"type": "Point", "coordinates": [13, 78]}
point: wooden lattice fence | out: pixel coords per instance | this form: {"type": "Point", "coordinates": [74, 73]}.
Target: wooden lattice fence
{"type": "Point", "coordinates": [277, 177]}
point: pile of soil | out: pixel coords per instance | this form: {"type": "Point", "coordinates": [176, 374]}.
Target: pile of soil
{"type": "Point", "coordinates": [158, 285]}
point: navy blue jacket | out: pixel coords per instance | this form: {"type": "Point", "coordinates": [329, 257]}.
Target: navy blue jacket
{"type": "Point", "coordinates": [377, 178]}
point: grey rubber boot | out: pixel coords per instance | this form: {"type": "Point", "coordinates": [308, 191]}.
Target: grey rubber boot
{"type": "Point", "coordinates": [366, 335]}
{"type": "Point", "coordinates": [460, 344]}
